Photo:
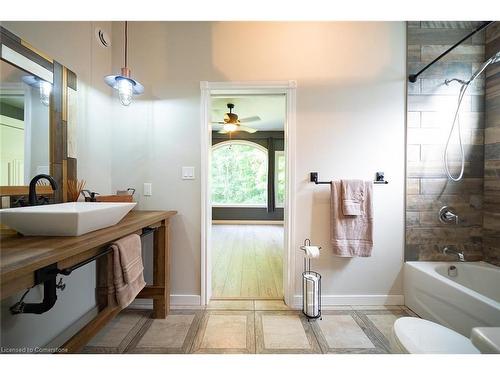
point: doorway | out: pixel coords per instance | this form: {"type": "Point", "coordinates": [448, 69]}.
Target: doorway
{"type": "Point", "coordinates": [247, 166]}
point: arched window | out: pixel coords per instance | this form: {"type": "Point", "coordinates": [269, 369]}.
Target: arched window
{"type": "Point", "coordinates": [239, 174]}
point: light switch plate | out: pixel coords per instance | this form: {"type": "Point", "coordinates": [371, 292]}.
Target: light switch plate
{"type": "Point", "coordinates": [188, 173]}
{"type": "Point", "coordinates": [148, 189]}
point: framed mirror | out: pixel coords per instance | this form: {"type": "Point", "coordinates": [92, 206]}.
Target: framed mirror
{"type": "Point", "coordinates": [37, 120]}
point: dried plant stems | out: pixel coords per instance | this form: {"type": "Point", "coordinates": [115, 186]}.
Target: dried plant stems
{"type": "Point", "coordinates": [75, 188]}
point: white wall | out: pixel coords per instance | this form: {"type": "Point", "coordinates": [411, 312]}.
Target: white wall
{"type": "Point", "coordinates": [350, 124]}
{"type": "Point", "coordinates": [73, 45]}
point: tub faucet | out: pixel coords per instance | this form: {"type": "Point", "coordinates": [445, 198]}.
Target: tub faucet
{"type": "Point", "coordinates": [447, 250]}
{"type": "Point", "coordinates": [33, 201]}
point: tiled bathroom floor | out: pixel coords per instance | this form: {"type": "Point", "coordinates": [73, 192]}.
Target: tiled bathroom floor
{"type": "Point", "coordinates": [250, 327]}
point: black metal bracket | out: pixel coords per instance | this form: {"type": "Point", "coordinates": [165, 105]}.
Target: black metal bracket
{"type": "Point", "coordinates": [314, 178]}
{"type": "Point", "coordinates": [413, 77]}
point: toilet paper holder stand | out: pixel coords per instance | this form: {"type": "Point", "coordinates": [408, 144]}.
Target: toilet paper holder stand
{"type": "Point", "coordinates": [307, 261]}
{"type": "Point", "coordinates": [311, 308]}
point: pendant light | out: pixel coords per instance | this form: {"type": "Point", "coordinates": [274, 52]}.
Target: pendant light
{"type": "Point", "coordinates": [44, 87]}
{"type": "Point", "coordinates": [123, 83]}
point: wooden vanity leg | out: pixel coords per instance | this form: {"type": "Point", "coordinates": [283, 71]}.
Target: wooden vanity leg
{"type": "Point", "coordinates": [105, 292]}
{"type": "Point", "coordinates": [161, 270]}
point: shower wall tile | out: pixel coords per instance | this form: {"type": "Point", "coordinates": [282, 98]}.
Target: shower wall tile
{"type": "Point", "coordinates": [436, 170]}
{"type": "Point", "coordinates": [440, 186]}
{"type": "Point", "coordinates": [463, 53]}
{"type": "Point", "coordinates": [492, 151]}
{"type": "Point", "coordinates": [435, 153]}
{"type": "Point", "coordinates": [442, 70]}
{"type": "Point", "coordinates": [446, 36]}
{"type": "Point", "coordinates": [492, 135]}
{"type": "Point", "coordinates": [421, 203]}
{"type": "Point", "coordinates": [412, 186]}
{"type": "Point", "coordinates": [436, 102]}
{"type": "Point", "coordinates": [443, 119]}
{"type": "Point", "coordinates": [438, 87]}
{"type": "Point", "coordinates": [413, 119]}
{"type": "Point", "coordinates": [413, 53]}
{"type": "Point", "coordinates": [431, 107]}
{"type": "Point", "coordinates": [493, 45]}
{"type": "Point", "coordinates": [450, 24]}
{"type": "Point", "coordinates": [434, 136]}
{"type": "Point", "coordinates": [492, 116]}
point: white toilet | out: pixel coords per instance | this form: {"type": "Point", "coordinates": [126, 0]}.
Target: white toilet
{"type": "Point", "coordinates": [420, 336]}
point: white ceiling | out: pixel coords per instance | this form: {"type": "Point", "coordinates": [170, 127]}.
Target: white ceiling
{"type": "Point", "coordinates": [270, 108]}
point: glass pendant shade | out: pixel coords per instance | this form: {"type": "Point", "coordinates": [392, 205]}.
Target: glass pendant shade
{"type": "Point", "coordinates": [126, 86]}
{"type": "Point", "coordinates": [44, 87]}
{"type": "Point", "coordinates": [125, 91]}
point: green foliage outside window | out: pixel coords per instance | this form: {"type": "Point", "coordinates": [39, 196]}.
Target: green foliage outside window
{"type": "Point", "coordinates": [280, 178]}
{"type": "Point", "coordinates": [239, 174]}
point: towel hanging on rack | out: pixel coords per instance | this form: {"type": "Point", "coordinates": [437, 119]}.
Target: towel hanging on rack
{"type": "Point", "coordinates": [351, 236]}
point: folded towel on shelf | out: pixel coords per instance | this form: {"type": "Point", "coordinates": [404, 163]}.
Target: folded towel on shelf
{"type": "Point", "coordinates": [351, 235]}
{"type": "Point", "coordinates": [128, 270]}
{"type": "Point", "coordinates": [353, 195]}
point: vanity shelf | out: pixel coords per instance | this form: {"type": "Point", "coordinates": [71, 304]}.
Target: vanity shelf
{"type": "Point", "coordinates": [22, 256]}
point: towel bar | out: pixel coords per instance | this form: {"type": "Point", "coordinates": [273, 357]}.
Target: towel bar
{"type": "Point", "coordinates": [379, 179]}
{"type": "Point", "coordinates": [66, 271]}
{"type": "Point", "coordinates": [48, 274]}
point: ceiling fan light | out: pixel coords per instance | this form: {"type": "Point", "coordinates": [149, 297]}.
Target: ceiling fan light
{"type": "Point", "coordinates": [230, 127]}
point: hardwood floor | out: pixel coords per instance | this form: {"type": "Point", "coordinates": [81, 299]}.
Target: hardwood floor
{"type": "Point", "coordinates": [247, 261]}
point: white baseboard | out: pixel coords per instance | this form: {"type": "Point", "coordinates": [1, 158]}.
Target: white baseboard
{"type": "Point", "coordinates": [354, 299]}
{"type": "Point", "coordinates": [175, 300]}
{"type": "Point", "coordinates": [326, 300]}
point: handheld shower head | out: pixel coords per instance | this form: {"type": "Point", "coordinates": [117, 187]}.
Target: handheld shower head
{"type": "Point", "coordinates": [496, 58]}
{"type": "Point", "coordinates": [492, 60]}
{"type": "Point", "coordinates": [463, 89]}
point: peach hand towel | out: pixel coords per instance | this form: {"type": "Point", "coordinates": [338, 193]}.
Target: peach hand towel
{"type": "Point", "coordinates": [351, 236]}
{"type": "Point", "coordinates": [128, 270]}
{"type": "Point", "coordinates": [353, 195]}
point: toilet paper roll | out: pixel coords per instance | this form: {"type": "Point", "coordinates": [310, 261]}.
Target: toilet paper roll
{"type": "Point", "coordinates": [311, 251]}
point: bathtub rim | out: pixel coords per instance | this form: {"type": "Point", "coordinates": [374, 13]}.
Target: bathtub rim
{"type": "Point", "coordinates": [428, 267]}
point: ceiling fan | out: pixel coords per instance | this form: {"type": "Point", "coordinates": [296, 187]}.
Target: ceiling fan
{"type": "Point", "coordinates": [232, 123]}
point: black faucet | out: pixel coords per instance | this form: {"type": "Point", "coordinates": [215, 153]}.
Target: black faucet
{"type": "Point", "coordinates": [32, 197]}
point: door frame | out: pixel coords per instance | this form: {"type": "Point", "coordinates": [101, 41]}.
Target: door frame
{"type": "Point", "coordinates": [287, 88]}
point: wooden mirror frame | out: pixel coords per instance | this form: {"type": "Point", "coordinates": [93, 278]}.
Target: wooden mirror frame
{"type": "Point", "coordinates": [62, 167]}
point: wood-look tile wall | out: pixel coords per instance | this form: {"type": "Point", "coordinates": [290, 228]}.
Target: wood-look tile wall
{"type": "Point", "coordinates": [431, 106]}
{"type": "Point", "coordinates": [491, 209]}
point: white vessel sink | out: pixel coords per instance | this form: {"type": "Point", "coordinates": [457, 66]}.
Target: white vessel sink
{"type": "Point", "coordinates": [64, 219]}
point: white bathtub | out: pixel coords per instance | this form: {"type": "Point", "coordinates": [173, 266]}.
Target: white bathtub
{"type": "Point", "coordinates": [470, 299]}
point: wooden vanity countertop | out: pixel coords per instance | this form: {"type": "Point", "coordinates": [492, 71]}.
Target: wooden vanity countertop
{"type": "Point", "coordinates": [21, 255]}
